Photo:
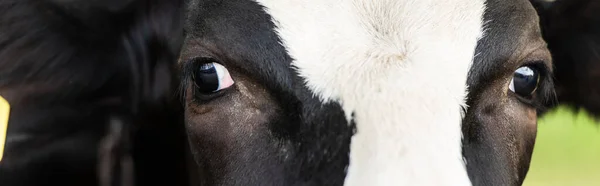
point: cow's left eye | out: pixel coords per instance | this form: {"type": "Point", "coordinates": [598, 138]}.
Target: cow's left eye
{"type": "Point", "coordinates": [212, 77]}
{"type": "Point", "coordinates": [525, 81]}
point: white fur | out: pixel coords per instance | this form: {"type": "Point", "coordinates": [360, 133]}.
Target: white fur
{"type": "Point", "coordinates": [401, 67]}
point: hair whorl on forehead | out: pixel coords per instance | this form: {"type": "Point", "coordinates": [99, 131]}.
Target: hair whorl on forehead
{"type": "Point", "coordinates": [91, 81]}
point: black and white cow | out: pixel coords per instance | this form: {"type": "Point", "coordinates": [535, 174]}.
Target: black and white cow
{"type": "Point", "coordinates": [572, 30]}
{"type": "Point", "coordinates": [90, 85]}
{"type": "Point", "coordinates": [363, 92]}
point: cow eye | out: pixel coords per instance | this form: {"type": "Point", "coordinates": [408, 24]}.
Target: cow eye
{"type": "Point", "coordinates": [525, 81]}
{"type": "Point", "coordinates": [212, 77]}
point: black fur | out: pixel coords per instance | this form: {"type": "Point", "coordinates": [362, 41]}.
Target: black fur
{"type": "Point", "coordinates": [316, 136]}
{"type": "Point", "coordinates": [72, 68]}
{"type": "Point", "coordinates": [572, 30]}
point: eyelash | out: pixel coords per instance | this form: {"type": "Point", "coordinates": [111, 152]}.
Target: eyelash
{"type": "Point", "coordinates": [188, 79]}
{"type": "Point", "coordinates": [545, 91]}
{"type": "Point", "coordinates": [203, 98]}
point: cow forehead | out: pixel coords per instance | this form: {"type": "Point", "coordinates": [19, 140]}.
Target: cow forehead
{"type": "Point", "coordinates": [328, 35]}
{"type": "Point", "coordinates": [386, 63]}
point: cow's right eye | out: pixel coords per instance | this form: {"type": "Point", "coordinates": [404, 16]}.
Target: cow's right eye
{"type": "Point", "coordinates": [525, 81]}
{"type": "Point", "coordinates": [212, 77]}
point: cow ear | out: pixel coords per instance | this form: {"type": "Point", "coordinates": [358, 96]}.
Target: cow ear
{"type": "Point", "coordinates": [571, 29]}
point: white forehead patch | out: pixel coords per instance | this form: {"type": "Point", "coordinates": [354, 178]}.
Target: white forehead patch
{"type": "Point", "coordinates": [401, 67]}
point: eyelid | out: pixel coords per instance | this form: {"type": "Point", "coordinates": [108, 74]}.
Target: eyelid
{"type": "Point", "coordinates": [187, 75]}
{"type": "Point", "coordinates": [222, 72]}
{"type": "Point", "coordinates": [542, 91]}
{"type": "Point", "coordinates": [190, 65]}
{"type": "Point", "coordinates": [539, 57]}
{"type": "Point", "coordinates": [541, 66]}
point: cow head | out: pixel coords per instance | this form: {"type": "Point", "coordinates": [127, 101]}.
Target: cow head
{"type": "Point", "coordinates": [90, 87]}
{"type": "Point", "coordinates": [363, 92]}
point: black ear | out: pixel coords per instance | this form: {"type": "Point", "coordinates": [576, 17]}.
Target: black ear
{"type": "Point", "coordinates": [572, 30]}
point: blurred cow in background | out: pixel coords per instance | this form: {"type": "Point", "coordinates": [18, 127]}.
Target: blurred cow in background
{"type": "Point", "coordinates": [91, 85]}
{"type": "Point", "coordinates": [572, 30]}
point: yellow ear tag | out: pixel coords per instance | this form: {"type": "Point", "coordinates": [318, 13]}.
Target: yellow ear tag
{"type": "Point", "coordinates": [4, 113]}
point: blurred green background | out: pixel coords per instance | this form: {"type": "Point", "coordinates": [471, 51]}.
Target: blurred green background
{"type": "Point", "coordinates": [567, 150]}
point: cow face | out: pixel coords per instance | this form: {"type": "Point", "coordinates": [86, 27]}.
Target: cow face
{"type": "Point", "coordinates": [359, 92]}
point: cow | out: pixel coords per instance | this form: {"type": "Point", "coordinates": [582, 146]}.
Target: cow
{"type": "Point", "coordinates": [363, 92]}
{"type": "Point", "coordinates": [90, 86]}
{"type": "Point", "coordinates": [572, 30]}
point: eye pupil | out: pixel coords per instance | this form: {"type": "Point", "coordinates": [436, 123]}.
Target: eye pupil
{"type": "Point", "coordinates": [207, 79]}
{"type": "Point", "coordinates": [212, 77]}
{"type": "Point", "coordinates": [525, 81]}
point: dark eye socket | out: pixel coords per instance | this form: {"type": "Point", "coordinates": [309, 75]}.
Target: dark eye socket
{"type": "Point", "coordinates": [525, 81]}
{"type": "Point", "coordinates": [212, 77]}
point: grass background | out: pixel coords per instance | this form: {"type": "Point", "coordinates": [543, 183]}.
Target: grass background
{"type": "Point", "coordinates": [567, 150]}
